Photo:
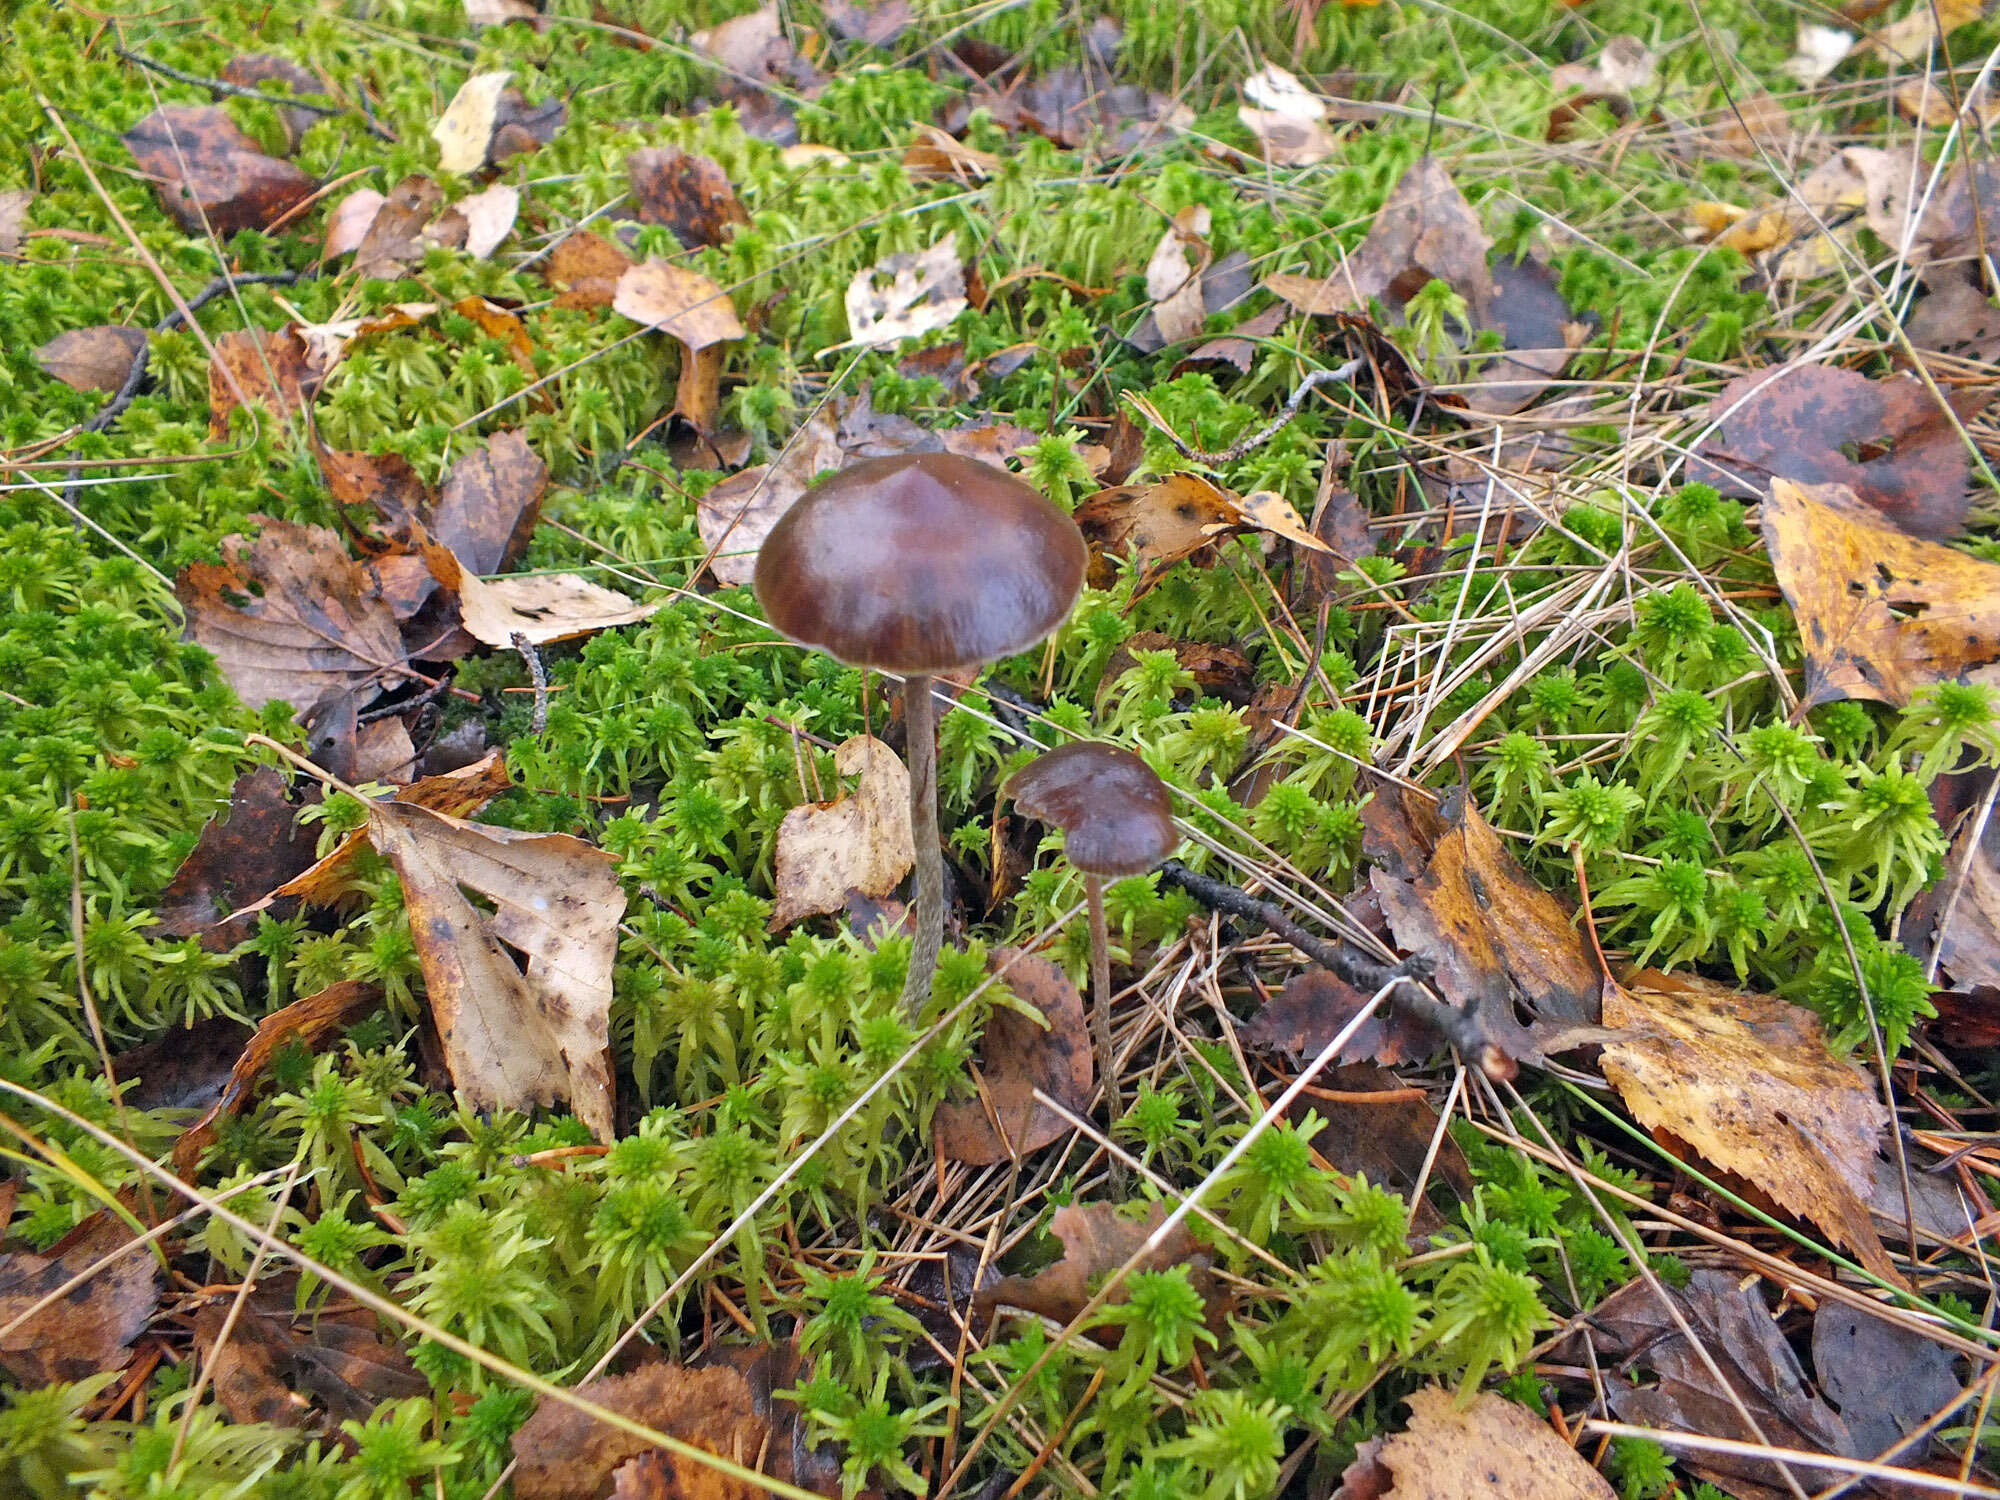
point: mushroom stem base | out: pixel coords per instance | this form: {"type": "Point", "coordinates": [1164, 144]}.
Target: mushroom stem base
{"type": "Point", "coordinates": [927, 930]}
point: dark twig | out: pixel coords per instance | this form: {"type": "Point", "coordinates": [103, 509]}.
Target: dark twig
{"type": "Point", "coordinates": [239, 91]}
{"type": "Point", "coordinates": [1264, 434]}
{"type": "Point", "coordinates": [1466, 1029]}
{"type": "Point", "coordinates": [540, 677]}
{"type": "Point", "coordinates": [402, 706]}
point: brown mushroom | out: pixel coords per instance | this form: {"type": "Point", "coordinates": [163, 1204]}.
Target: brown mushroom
{"type": "Point", "coordinates": [916, 565]}
{"type": "Point", "coordinates": [1116, 821]}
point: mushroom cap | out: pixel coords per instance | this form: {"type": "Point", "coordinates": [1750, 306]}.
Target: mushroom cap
{"type": "Point", "coordinates": [922, 563]}
{"type": "Point", "coordinates": [1107, 801]}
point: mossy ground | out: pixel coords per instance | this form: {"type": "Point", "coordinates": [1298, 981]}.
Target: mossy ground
{"type": "Point", "coordinates": [1656, 743]}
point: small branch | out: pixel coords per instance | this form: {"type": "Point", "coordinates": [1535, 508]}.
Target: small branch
{"type": "Point", "coordinates": [540, 678]}
{"type": "Point", "coordinates": [1467, 1030]}
{"type": "Point", "coordinates": [1256, 439]}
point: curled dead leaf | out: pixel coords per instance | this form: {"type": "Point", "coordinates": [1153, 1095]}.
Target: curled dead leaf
{"type": "Point", "coordinates": [852, 843]}
{"type": "Point", "coordinates": [465, 129]}
{"type": "Point", "coordinates": [1017, 1056]}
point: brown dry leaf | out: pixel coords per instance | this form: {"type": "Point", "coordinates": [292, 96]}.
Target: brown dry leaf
{"type": "Point", "coordinates": [13, 217]}
{"type": "Point", "coordinates": [491, 501]}
{"type": "Point", "coordinates": [1313, 1008]}
{"type": "Point", "coordinates": [1286, 141]}
{"type": "Point", "coordinates": [489, 218]}
{"type": "Point", "coordinates": [1817, 221]}
{"type": "Point", "coordinates": [347, 225]}
{"type": "Point", "coordinates": [1801, 423]}
{"type": "Point", "coordinates": [563, 1454]}
{"type": "Point", "coordinates": [515, 1035]}
{"type": "Point", "coordinates": [1173, 275]}
{"type": "Point", "coordinates": [876, 24]}
{"type": "Point", "coordinates": [1625, 67]}
{"type": "Point", "coordinates": [1017, 1056]}
{"type": "Point", "coordinates": [1925, 102]}
{"type": "Point", "coordinates": [383, 753]}
{"type": "Point", "coordinates": [736, 515]}
{"type": "Point", "coordinates": [309, 1023]}
{"type": "Point", "coordinates": [274, 1362]}
{"type": "Point", "coordinates": [257, 70]}
{"type": "Point", "coordinates": [1746, 1081]}
{"type": "Point", "coordinates": [543, 607]}
{"type": "Point", "coordinates": [991, 442]}
{"type": "Point", "coordinates": [937, 153]}
{"type": "Point", "coordinates": [1489, 928]}
{"type": "Point", "coordinates": [92, 359]}
{"type": "Point", "coordinates": [270, 367]}
{"type": "Point", "coordinates": [1538, 331]}
{"type": "Point", "coordinates": [465, 129]}
{"type": "Point", "coordinates": [1097, 1239]}
{"type": "Point", "coordinates": [751, 46]}
{"type": "Point", "coordinates": [89, 1329]}
{"type": "Point", "coordinates": [853, 843]}
{"type": "Point", "coordinates": [521, 128]}
{"type": "Point", "coordinates": [1751, 125]}
{"type": "Point", "coordinates": [251, 849]}
{"type": "Point", "coordinates": [411, 221]}
{"type": "Point", "coordinates": [1272, 513]}
{"type": "Point", "coordinates": [904, 296]}
{"type": "Point", "coordinates": [1158, 524]}
{"type": "Point", "coordinates": [586, 269]}
{"type": "Point", "coordinates": [384, 482]}
{"type": "Point", "coordinates": [211, 175]}
{"type": "Point", "coordinates": [458, 794]}
{"type": "Point", "coordinates": [290, 616]}
{"type": "Point", "coordinates": [1219, 671]}
{"type": "Point", "coordinates": [1881, 613]}
{"type": "Point", "coordinates": [1488, 1449]}
{"type": "Point", "coordinates": [1075, 108]}
{"type": "Point", "coordinates": [687, 193]}
{"type": "Point", "coordinates": [1911, 40]}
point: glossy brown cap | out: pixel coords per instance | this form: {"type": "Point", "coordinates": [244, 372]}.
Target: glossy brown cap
{"type": "Point", "coordinates": [923, 563]}
{"type": "Point", "coordinates": [1107, 801]}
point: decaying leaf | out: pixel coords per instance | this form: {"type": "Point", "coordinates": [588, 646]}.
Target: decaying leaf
{"type": "Point", "coordinates": [465, 129]}
{"type": "Point", "coordinates": [1881, 612]}
{"type": "Point", "coordinates": [1074, 107]}
{"type": "Point", "coordinates": [1538, 334]}
{"type": "Point", "coordinates": [489, 218]}
{"type": "Point", "coordinates": [412, 220]}
{"type": "Point", "coordinates": [92, 359]}
{"type": "Point", "coordinates": [1173, 275]}
{"type": "Point", "coordinates": [1284, 139]}
{"type": "Point", "coordinates": [1625, 67]}
{"type": "Point", "coordinates": [88, 1329]}
{"type": "Point", "coordinates": [689, 194]}
{"type": "Point", "coordinates": [1315, 1006]}
{"type": "Point", "coordinates": [692, 309]}
{"type": "Point", "coordinates": [1017, 1056]}
{"type": "Point", "coordinates": [489, 505]}
{"type": "Point", "coordinates": [269, 367]}
{"type": "Point", "coordinates": [274, 1362]}
{"type": "Point", "coordinates": [258, 70]}
{"type": "Point", "coordinates": [1157, 524]}
{"type": "Point", "coordinates": [254, 847]}
{"type": "Point", "coordinates": [1488, 1449]}
{"type": "Point", "coordinates": [903, 296]}
{"type": "Point", "coordinates": [290, 616]}
{"type": "Point", "coordinates": [14, 204]}
{"type": "Point", "coordinates": [520, 985]}
{"type": "Point", "coordinates": [751, 45]}
{"type": "Point", "coordinates": [1098, 1238]}
{"type": "Point", "coordinates": [543, 607]}
{"type": "Point", "coordinates": [853, 843]}
{"type": "Point", "coordinates": [1911, 40]}
{"type": "Point", "coordinates": [1802, 423]}
{"type": "Point", "coordinates": [937, 153]}
{"type": "Point", "coordinates": [1747, 1082]}
{"type": "Point", "coordinates": [727, 1409]}
{"type": "Point", "coordinates": [736, 515]}
{"type": "Point", "coordinates": [211, 176]}
{"type": "Point", "coordinates": [586, 268]}
{"type": "Point", "coordinates": [347, 225]}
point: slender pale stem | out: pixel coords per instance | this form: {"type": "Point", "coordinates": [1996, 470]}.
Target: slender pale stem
{"type": "Point", "coordinates": [1100, 981]}
{"type": "Point", "coordinates": [927, 934]}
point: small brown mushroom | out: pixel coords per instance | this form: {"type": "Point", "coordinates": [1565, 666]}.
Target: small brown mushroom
{"type": "Point", "coordinates": [1116, 821]}
{"type": "Point", "coordinates": [917, 565]}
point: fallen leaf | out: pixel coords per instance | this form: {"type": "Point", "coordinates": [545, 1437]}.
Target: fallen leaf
{"type": "Point", "coordinates": [309, 1023]}
{"type": "Point", "coordinates": [326, 344]}
{"type": "Point", "coordinates": [1538, 334]}
{"type": "Point", "coordinates": [936, 153]}
{"type": "Point", "coordinates": [876, 25]}
{"type": "Point", "coordinates": [347, 225]}
{"type": "Point", "coordinates": [543, 607]}
{"type": "Point", "coordinates": [268, 367]}
{"type": "Point", "coordinates": [384, 482]}
{"type": "Point", "coordinates": [1485, 1449]}
{"type": "Point", "coordinates": [586, 269]}
{"type": "Point", "coordinates": [1173, 275]}
{"type": "Point", "coordinates": [1491, 931]}
{"type": "Point", "coordinates": [1270, 512]}
{"type": "Point", "coordinates": [1624, 67]}
{"type": "Point", "coordinates": [491, 501]}
{"type": "Point", "coordinates": [489, 218]}
{"type": "Point", "coordinates": [1747, 1082]}
{"type": "Point", "coordinates": [1157, 524]}
{"type": "Point", "coordinates": [1375, 1125]}
{"type": "Point", "coordinates": [1926, 102]}
{"type": "Point", "coordinates": [14, 203]}
{"type": "Point", "coordinates": [255, 846]}
{"type": "Point", "coordinates": [1314, 1007]}
{"type": "Point", "coordinates": [187, 1068]}
{"type": "Point", "coordinates": [689, 194]}
{"type": "Point", "coordinates": [1278, 92]}
{"type": "Point", "coordinates": [465, 129]}
{"type": "Point", "coordinates": [483, 13]}
{"type": "Point", "coordinates": [519, 985]}
{"type": "Point", "coordinates": [1968, 949]}
{"type": "Point", "coordinates": [1819, 51]}
{"type": "Point", "coordinates": [383, 753]}
{"type": "Point", "coordinates": [520, 128]}
{"type": "Point", "coordinates": [1814, 425]}
{"type": "Point", "coordinates": [1097, 1238]}
{"type": "Point", "coordinates": [1284, 140]}
{"type": "Point", "coordinates": [210, 175]}
{"type": "Point", "coordinates": [562, 1454]}
{"type": "Point", "coordinates": [274, 1362]}
{"type": "Point", "coordinates": [404, 227]}
{"type": "Point", "coordinates": [904, 296]}
{"type": "Point", "coordinates": [289, 616]}
{"type": "Point", "coordinates": [1239, 347]}
{"type": "Point", "coordinates": [1016, 1057]}
{"type": "Point", "coordinates": [735, 516]}
{"type": "Point", "coordinates": [1881, 613]}
{"type": "Point", "coordinates": [1886, 1379]}
{"type": "Point", "coordinates": [1748, 125]}
{"type": "Point", "coordinates": [1219, 671]}
{"type": "Point", "coordinates": [859, 842]}
{"type": "Point", "coordinates": [87, 1330]}
{"type": "Point", "coordinates": [694, 310]}
{"type": "Point", "coordinates": [1911, 39]}
{"type": "Point", "coordinates": [258, 70]}
{"type": "Point", "coordinates": [751, 45]}
{"type": "Point", "coordinates": [92, 359]}
{"type": "Point", "coordinates": [990, 442]}
{"type": "Point", "coordinates": [1076, 108]}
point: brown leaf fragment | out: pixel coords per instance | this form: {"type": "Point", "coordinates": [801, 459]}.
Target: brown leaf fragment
{"type": "Point", "coordinates": [347, 226]}
{"type": "Point", "coordinates": [251, 1370]}
{"type": "Point", "coordinates": [384, 753]}
{"type": "Point", "coordinates": [1237, 348]}
{"type": "Point", "coordinates": [736, 515]}
{"type": "Point", "coordinates": [1956, 318]}
{"type": "Point", "coordinates": [290, 616]}
{"type": "Point", "coordinates": [543, 607]}
{"type": "Point", "coordinates": [1097, 1238]}
{"type": "Point", "coordinates": [521, 128]}
{"type": "Point", "coordinates": [1488, 1449]}
{"type": "Point", "coordinates": [491, 501]}
{"type": "Point", "coordinates": [874, 22]}
{"type": "Point", "coordinates": [852, 843]}
{"type": "Point", "coordinates": [937, 153]}
{"type": "Point", "coordinates": [687, 193]}
{"type": "Point", "coordinates": [251, 849]}
{"type": "Point", "coordinates": [1539, 332]}
{"type": "Point", "coordinates": [259, 70]}
{"type": "Point", "coordinates": [270, 367]}
{"type": "Point", "coordinates": [1749, 125]}
{"type": "Point", "coordinates": [385, 483]}
{"type": "Point", "coordinates": [903, 296]}
{"type": "Point", "coordinates": [1157, 524]}
{"type": "Point", "coordinates": [210, 175]}
{"type": "Point", "coordinates": [1313, 1008]}
{"type": "Point", "coordinates": [309, 1023]}
{"type": "Point", "coordinates": [516, 1034]}
{"type": "Point", "coordinates": [401, 230]}
{"type": "Point", "coordinates": [694, 310]}
{"type": "Point", "coordinates": [14, 204]}
{"type": "Point", "coordinates": [465, 129]}
{"type": "Point", "coordinates": [1747, 1082]}
{"type": "Point", "coordinates": [1173, 275]}
{"type": "Point", "coordinates": [752, 46]}
{"type": "Point", "coordinates": [92, 359]}
{"type": "Point", "coordinates": [1017, 1056]}
{"type": "Point", "coordinates": [585, 268]}
{"type": "Point", "coordinates": [1881, 613]}
{"type": "Point", "coordinates": [184, 1069]}
{"type": "Point", "coordinates": [1887, 440]}
{"type": "Point", "coordinates": [489, 218]}
{"type": "Point", "coordinates": [992, 442]}
{"type": "Point", "coordinates": [562, 1454]}
{"type": "Point", "coordinates": [88, 1329]}
{"type": "Point", "coordinates": [1887, 1380]}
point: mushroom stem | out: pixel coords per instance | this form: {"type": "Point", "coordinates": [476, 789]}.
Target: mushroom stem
{"type": "Point", "coordinates": [927, 937]}
{"type": "Point", "coordinates": [1100, 981]}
